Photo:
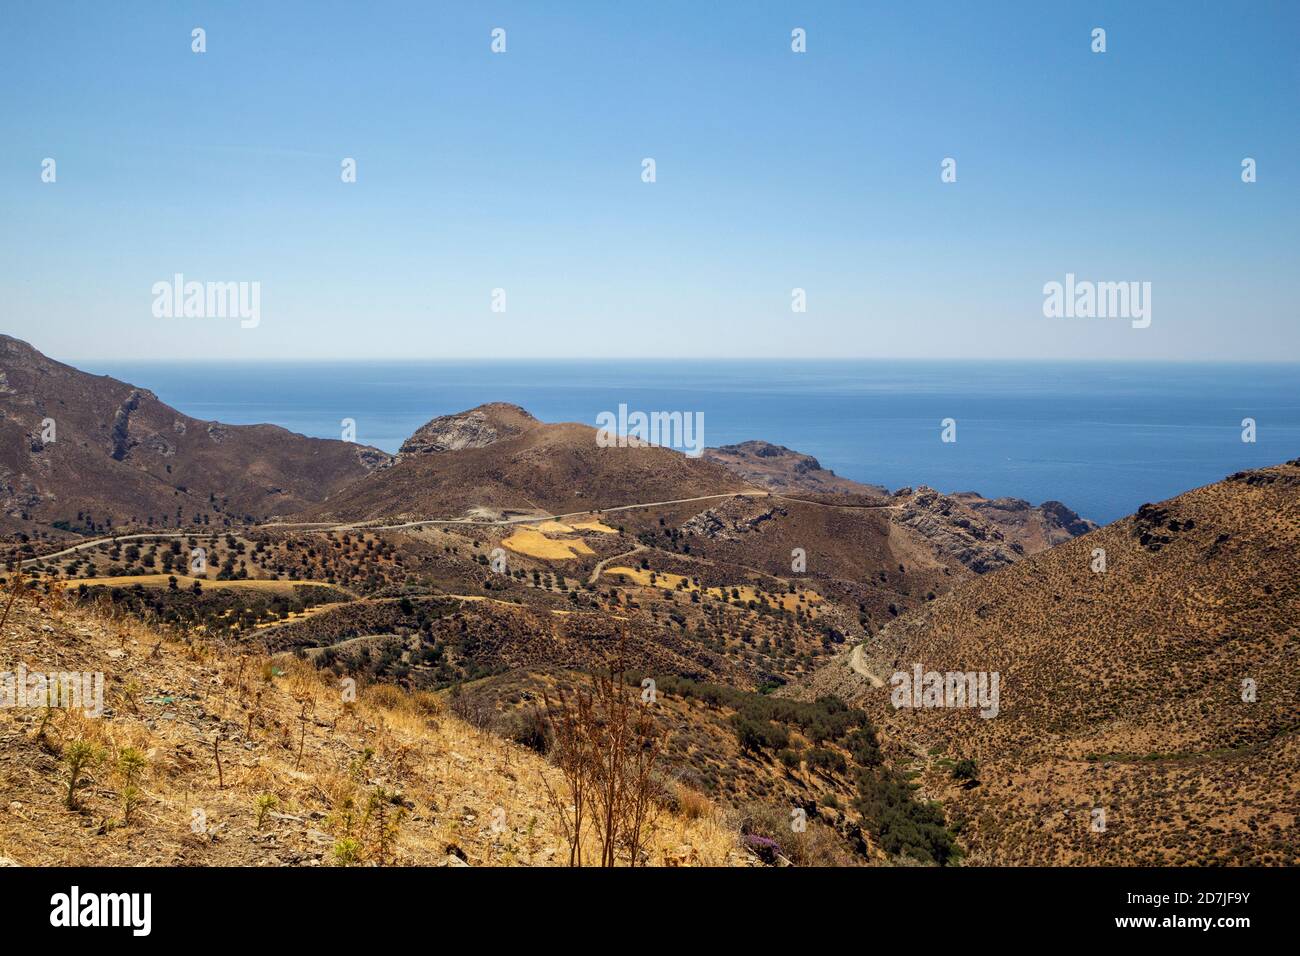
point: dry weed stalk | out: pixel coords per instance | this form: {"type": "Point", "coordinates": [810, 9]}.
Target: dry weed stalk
{"type": "Point", "coordinates": [216, 752]}
{"type": "Point", "coordinates": [308, 708]}
{"type": "Point", "coordinates": [17, 586]}
{"type": "Point", "coordinates": [606, 747]}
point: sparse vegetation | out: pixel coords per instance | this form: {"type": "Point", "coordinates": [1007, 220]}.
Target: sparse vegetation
{"type": "Point", "coordinates": [264, 803]}
{"type": "Point", "coordinates": [79, 755]}
{"type": "Point", "coordinates": [131, 765]}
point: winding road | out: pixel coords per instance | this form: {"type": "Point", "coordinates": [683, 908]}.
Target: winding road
{"type": "Point", "coordinates": [859, 666]}
{"type": "Point", "coordinates": [401, 526]}
{"type": "Point", "coordinates": [405, 525]}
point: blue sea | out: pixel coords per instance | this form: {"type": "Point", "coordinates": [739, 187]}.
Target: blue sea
{"type": "Point", "coordinates": [1101, 437]}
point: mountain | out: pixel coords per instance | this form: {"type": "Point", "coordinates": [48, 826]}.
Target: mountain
{"type": "Point", "coordinates": [1161, 691]}
{"type": "Point", "coordinates": [498, 460]}
{"type": "Point", "coordinates": [722, 580]}
{"type": "Point", "coordinates": [91, 453]}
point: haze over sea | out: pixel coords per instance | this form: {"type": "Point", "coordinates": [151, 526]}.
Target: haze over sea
{"type": "Point", "coordinates": [1101, 437]}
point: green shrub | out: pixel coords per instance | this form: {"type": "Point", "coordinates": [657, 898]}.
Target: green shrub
{"type": "Point", "coordinates": [79, 755]}
{"type": "Point", "coordinates": [965, 769]}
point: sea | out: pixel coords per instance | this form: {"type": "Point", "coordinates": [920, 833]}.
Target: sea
{"type": "Point", "coordinates": [1101, 437]}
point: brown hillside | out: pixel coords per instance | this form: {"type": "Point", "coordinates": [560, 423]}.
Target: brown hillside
{"type": "Point", "coordinates": [498, 459]}
{"type": "Point", "coordinates": [325, 777]}
{"type": "Point", "coordinates": [778, 468]}
{"type": "Point", "coordinates": [980, 533]}
{"type": "Point", "coordinates": [122, 458]}
{"type": "Point", "coordinates": [1120, 690]}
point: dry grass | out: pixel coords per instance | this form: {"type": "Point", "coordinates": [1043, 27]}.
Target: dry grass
{"type": "Point", "coordinates": [594, 525]}
{"type": "Point", "coordinates": [533, 543]}
{"type": "Point", "coordinates": [296, 756]}
{"type": "Point", "coordinates": [1120, 690]}
{"type": "Point", "coordinates": [553, 527]}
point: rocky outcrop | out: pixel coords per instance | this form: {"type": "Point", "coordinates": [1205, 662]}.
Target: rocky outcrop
{"type": "Point", "coordinates": [372, 459]}
{"type": "Point", "coordinates": [1066, 519]}
{"type": "Point", "coordinates": [476, 428]}
{"type": "Point", "coordinates": [956, 531]}
{"type": "Point", "coordinates": [713, 524]}
{"type": "Point", "coordinates": [120, 435]}
{"type": "Point", "coordinates": [1034, 528]}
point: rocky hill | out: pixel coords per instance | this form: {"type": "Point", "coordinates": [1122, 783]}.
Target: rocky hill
{"type": "Point", "coordinates": [1033, 528]}
{"type": "Point", "coordinates": [498, 460]}
{"type": "Point", "coordinates": [477, 428]}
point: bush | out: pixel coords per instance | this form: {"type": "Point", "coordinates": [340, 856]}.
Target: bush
{"type": "Point", "coordinates": [822, 758]}
{"type": "Point", "coordinates": [688, 803]}
{"type": "Point", "coordinates": [864, 748]}
{"type": "Point", "coordinates": [766, 832]}
{"type": "Point", "coordinates": [530, 728]}
{"type": "Point", "coordinates": [264, 804]}
{"type": "Point", "coordinates": [347, 852]}
{"type": "Point", "coordinates": [755, 734]}
{"type": "Point", "coordinates": [426, 703]}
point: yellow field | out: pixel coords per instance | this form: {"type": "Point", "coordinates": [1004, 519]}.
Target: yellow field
{"type": "Point", "coordinates": [533, 543]}
{"type": "Point", "coordinates": [553, 527]}
{"type": "Point", "coordinates": [184, 582]}
{"type": "Point", "coordinates": [559, 527]}
{"type": "Point", "coordinates": [295, 616]}
{"type": "Point", "coordinates": [594, 525]}
{"type": "Point", "coordinates": [670, 582]}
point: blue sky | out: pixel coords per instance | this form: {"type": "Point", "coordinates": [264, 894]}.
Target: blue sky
{"type": "Point", "coordinates": [775, 170]}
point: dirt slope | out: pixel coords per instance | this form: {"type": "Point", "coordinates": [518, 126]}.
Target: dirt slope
{"type": "Point", "coordinates": [452, 795]}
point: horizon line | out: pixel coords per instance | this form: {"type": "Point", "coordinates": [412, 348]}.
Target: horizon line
{"type": "Point", "coordinates": [407, 360]}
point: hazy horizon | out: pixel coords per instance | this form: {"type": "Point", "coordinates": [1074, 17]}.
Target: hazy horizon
{"type": "Point", "coordinates": [586, 359]}
{"type": "Point", "coordinates": [1103, 437]}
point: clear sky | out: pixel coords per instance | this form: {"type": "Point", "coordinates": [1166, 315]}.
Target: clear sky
{"type": "Point", "coordinates": [775, 170]}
